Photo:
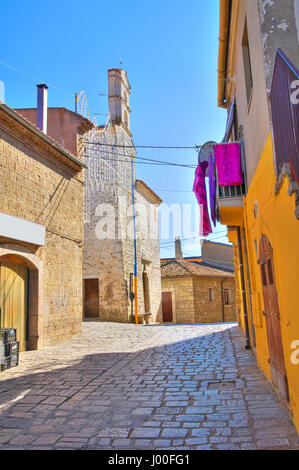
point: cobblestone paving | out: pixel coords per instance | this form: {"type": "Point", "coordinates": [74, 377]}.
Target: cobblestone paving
{"type": "Point", "coordinates": [124, 386]}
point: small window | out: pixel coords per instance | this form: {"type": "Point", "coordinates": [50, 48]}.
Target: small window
{"type": "Point", "coordinates": [247, 64]}
{"type": "Point", "coordinates": [227, 297]}
{"type": "Point", "coordinates": [211, 295]}
{"type": "Point", "coordinates": [126, 119]}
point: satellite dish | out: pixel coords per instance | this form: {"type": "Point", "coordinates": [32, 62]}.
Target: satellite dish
{"type": "Point", "coordinates": [205, 151]}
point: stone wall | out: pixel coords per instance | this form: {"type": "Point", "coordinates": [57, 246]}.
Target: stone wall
{"type": "Point", "coordinates": [190, 300]}
{"type": "Point", "coordinates": [111, 258]}
{"type": "Point", "coordinates": [182, 299]}
{"type": "Point", "coordinates": [108, 253]}
{"type": "Point", "coordinates": [148, 255]}
{"type": "Point", "coordinates": [36, 187]}
{"type": "Point", "coordinates": [207, 311]}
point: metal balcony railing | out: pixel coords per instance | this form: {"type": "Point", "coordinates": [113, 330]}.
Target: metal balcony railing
{"type": "Point", "coordinates": [231, 191]}
{"type": "Point", "coordinates": [285, 113]}
{"type": "Point", "coordinates": [225, 192]}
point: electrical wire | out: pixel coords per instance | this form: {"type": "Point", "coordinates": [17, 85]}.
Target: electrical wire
{"type": "Point", "coordinates": [194, 147]}
{"type": "Point", "coordinates": [150, 160]}
{"type": "Point", "coordinates": [34, 78]}
{"type": "Point", "coordinates": [194, 239]}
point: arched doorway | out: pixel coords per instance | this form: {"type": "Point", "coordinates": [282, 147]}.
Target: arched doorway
{"type": "Point", "coordinates": [272, 314]}
{"type": "Point", "coordinates": [21, 294]}
{"type": "Point", "coordinates": [14, 275]}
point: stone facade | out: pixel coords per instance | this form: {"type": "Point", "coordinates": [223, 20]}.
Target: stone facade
{"type": "Point", "coordinates": [214, 311]}
{"type": "Point", "coordinates": [148, 251]}
{"type": "Point", "coordinates": [200, 292]}
{"type": "Point", "coordinates": [42, 183]}
{"type": "Point", "coordinates": [109, 230]}
{"type": "Point", "coordinates": [190, 300]}
{"type": "Point", "coordinates": [218, 254]}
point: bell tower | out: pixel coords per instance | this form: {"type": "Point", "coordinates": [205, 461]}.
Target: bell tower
{"type": "Point", "coordinates": [118, 97]}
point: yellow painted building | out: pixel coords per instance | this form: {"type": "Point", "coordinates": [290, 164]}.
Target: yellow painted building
{"type": "Point", "coordinates": [258, 64]}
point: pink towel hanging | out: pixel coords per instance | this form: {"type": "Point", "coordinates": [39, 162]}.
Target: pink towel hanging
{"type": "Point", "coordinates": [228, 162]}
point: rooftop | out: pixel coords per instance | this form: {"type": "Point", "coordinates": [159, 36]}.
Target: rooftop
{"type": "Point", "coordinates": [184, 268]}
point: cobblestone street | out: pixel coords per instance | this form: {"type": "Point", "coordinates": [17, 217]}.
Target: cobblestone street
{"type": "Point", "coordinates": [124, 386]}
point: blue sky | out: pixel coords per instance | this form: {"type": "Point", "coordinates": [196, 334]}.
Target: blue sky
{"type": "Point", "coordinates": [169, 49]}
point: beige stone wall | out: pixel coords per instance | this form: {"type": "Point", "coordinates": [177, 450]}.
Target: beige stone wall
{"type": "Point", "coordinates": [182, 299]}
{"type": "Point", "coordinates": [191, 304]}
{"type": "Point", "coordinates": [212, 311]}
{"type": "Point", "coordinates": [148, 254]}
{"type": "Point", "coordinates": [110, 258]}
{"type": "Point", "coordinates": [35, 187]}
{"type": "Point", "coordinates": [218, 254]}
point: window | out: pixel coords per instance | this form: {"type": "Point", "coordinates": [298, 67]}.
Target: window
{"type": "Point", "coordinates": [247, 64]}
{"type": "Point", "coordinates": [211, 295]}
{"type": "Point", "coordinates": [126, 119]}
{"type": "Point", "coordinates": [227, 297]}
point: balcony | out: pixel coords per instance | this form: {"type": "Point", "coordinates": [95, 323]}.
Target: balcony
{"type": "Point", "coordinates": [230, 198]}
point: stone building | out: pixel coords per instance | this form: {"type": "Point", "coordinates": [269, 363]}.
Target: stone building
{"type": "Point", "coordinates": [41, 231]}
{"type": "Point", "coordinates": [196, 291]}
{"type": "Point", "coordinates": [217, 254]}
{"type": "Point", "coordinates": [109, 254]}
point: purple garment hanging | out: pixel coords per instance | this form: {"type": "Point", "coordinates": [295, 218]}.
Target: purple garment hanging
{"type": "Point", "coordinates": [228, 162]}
{"type": "Point", "coordinates": [212, 190]}
{"type": "Point", "coordinates": [199, 188]}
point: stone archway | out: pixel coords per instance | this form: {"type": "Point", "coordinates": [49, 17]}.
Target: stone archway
{"type": "Point", "coordinates": [35, 293]}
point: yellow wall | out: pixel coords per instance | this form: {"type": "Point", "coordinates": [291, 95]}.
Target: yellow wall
{"type": "Point", "coordinates": [276, 219]}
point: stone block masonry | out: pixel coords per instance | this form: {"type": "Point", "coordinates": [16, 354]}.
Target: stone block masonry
{"type": "Point", "coordinates": [38, 185]}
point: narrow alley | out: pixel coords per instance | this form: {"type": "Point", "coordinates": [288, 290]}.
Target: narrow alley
{"type": "Point", "coordinates": [125, 386]}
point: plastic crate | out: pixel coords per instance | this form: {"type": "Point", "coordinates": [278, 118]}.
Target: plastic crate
{"type": "Point", "coordinates": [5, 364]}
{"type": "Point", "coordinates": [8, 335]}
{"type": "Point", "coordinates": [11, 348]}
{"type": "Point", "coordinates": [14, 360]}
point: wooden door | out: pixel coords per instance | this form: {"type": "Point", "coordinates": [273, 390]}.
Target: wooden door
{"type": "Point", "coordinates": [272, 314]}
{"type": "Point", "coordinates": [91, 298]}
{"type": "Point", "coordinates": [167, 306]}
{"type": "Point", "coordinates": [13, 297]}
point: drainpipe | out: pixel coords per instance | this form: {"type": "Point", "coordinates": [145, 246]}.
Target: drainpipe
{"type": "Point", "coordinates": [244, 300]}
{"type": "Point", "coordinates": [135, 243]}
{"type": "Point", "coordinates": [222, 300]}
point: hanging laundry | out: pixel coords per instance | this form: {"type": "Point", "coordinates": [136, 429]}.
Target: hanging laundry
{"type": "Point", "coordinates": [228, 162]}
{"type": "Point", "coordinates": [199, 188]}
{"type": "Point", "coordinates": [212, 190]}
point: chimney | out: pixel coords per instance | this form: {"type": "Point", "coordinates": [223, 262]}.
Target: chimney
{"type": "Point", "coordinates": [178, 249]}
{"type": "Point", "coordinates": [42, 107]}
